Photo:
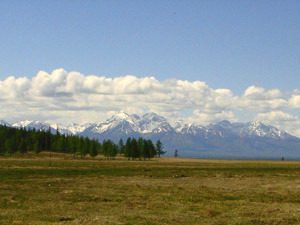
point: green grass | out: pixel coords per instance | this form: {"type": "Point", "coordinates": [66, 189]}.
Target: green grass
{"type": "Point", "coordinates": [160, 191]}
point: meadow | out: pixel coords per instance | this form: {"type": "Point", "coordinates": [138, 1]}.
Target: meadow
{"type": "Point", "coordinates": [63, 190]}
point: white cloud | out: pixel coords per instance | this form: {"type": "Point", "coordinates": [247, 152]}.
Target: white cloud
{"type": "Point", "coordinates": [256, 99]}
{"type": "Point", "coordinates": [12, 88]}
{"type": "Point", "coordinates": [253, 91]}
{"type": "Point", "coordinates": [296, 132]}
{"type": "Point", "coordinates": [207, 118]}
{"type": "Point", "coordinates": [75, 97]}
{"type": "Point", "coordinates": [260, 93]}
{"type": "Point", "coordinates": [294, 101]}
{"type": "Point", "coordinates": [277, 116]}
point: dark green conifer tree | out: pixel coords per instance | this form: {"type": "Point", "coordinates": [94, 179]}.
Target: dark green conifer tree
{"type": "Point", "coordinates": [37, 147]}
{"type": "Point", "coordinates": [9, 146]}
{"type": "Point", "coordinates": [121, 146]}
{"type": "Point", "coordinates": [159, 148]}
{"type": "Point", "coordinates": [114, 151]}
{"type": "Point", "coordinates": [2, 140]}
{"type": "Point", "coordinates": [141, 148]}
{"type": "Point", "coordinates": [127, 149]}
{"type": "Point", "coordinates": [146, 150]}
{"type": "Point", "coordinates": [22, 146]}
{"type": "Point", "coordinates": [93, 149]}
{"type": "Point", "coordinates": [134, 149]}
{"type": "Point", "coordinates": [152, 151]}
{"type": "Point", "coordinates": [83, 150]}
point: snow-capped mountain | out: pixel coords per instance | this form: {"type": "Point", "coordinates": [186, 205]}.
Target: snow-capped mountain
{"type": "Point", "coordinates": [185, 128]}
{"type": "Point", "coordinates": [127, 124]}
{"type": "Point", "coordinates": [72, 128]}
{"type": "Point", "coordinates": [222, 139]}
{"type": "Point", "coordinates": [152, 122]}
{"type": "Point", "coordinates": [28, 124]}
{"type": "Point", "coordinates": [250, 129]}
{"type": "Point", "coordinates": [42, 126]}
{"type": "Point", "coordinates": [4, 123]}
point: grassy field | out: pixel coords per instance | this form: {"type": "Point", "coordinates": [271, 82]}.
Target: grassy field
{"type": "Point", "coordinates": [160, 191]}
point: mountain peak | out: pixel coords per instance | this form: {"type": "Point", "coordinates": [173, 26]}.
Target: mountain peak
{"type": "Point", "coordinates": [225, 124]}
{"type": "Point", "coordinates": [121, 115]}
{"type": "Point", "coordinates": [256, 124]}
{"type": "Point", "coordinates": [223, 137]}
{"type": "Point", "coordinates": [150, 114]}
{"type": "Point", "coordinates": [153, 116]}
{"type": "Point", "coordinates": [4, 123]}
{"type": "Point", "coordinates": [23, 123]}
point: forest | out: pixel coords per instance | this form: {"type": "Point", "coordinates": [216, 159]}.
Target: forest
{"type": "Point", "coordinates": [21, 140]}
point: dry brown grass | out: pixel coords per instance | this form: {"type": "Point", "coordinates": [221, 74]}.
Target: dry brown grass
{"type": "Point", "coordinates": [136, 192]}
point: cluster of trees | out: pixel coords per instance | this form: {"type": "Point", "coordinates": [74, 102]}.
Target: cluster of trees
{"type": "Point", "coordinates": [21, 140]}
{"type": "Point", "coordinates": [141, 148]}
{"type": "Point", "coordinates": [14, 140]}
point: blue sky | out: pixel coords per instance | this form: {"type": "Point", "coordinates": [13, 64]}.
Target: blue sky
{"type": "Point", "coordinates": [248, 42]}
{"type": "Point", "coordinates": [232, 45]}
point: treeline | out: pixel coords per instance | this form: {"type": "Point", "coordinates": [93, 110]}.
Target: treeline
{"type": "Point", "coordinates": [13, 140]}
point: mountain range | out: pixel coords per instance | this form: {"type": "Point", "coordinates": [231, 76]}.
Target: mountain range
{"type": "Point", "coordinates": [219, 140]}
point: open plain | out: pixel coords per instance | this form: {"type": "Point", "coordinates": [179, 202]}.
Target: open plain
{"type": "Point", "coordinates": [63, 190]}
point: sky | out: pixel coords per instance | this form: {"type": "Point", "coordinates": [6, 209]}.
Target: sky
{"type": "Point", "coordinates": [201, 61]}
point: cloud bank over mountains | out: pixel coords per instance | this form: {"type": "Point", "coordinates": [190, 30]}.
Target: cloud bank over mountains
{"type": "Point", "coordinates": [74, 97]}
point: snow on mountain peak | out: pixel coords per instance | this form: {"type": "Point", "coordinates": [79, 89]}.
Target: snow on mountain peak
{"type": "Point", "coordinates": [179, 125]}
{"type": "Point", "coordinates": [77, 128]}
{"type": "Point", "coordinates": [223, 137]}
{"type": "Point", "coordinates": [24, 123]}
{"type": "Point", "coordinates": [153, 123]}
{"type": "Point", "coordinates": [121, 115]}
{"type": "Point", "coordinates": [124, 116]}
{"type": "Point", "coordinates": [255, 124]}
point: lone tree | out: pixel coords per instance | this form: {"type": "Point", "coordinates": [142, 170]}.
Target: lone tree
{"type": "Point", "coordinates": [176, 153]}
{"type": "Point", "coordinates": [159, 148]}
